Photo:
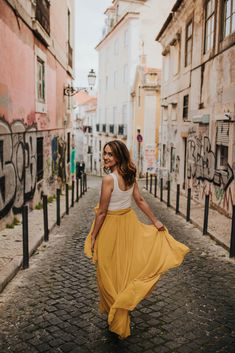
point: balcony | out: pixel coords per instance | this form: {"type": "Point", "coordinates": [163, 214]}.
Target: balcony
{"type": "Point", "coordinates": [111, 128]}
{"type": "Point", "coordinates": [70, 55]}
{"type": "Point", "coordinates": [43, 14]}
{"type": "Point", "coordinates": [122, 130]}
{"type": "Point", "coordinates": [87, 129]}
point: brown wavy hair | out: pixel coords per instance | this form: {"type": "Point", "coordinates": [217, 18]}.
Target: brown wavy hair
{"type": "Point", "coordinates": [125, 166]}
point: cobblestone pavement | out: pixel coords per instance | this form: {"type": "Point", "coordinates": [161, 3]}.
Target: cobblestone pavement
{"type": "Point", "coordinates": [52, 306]}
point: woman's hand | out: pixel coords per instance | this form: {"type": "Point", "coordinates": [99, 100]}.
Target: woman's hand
{"type": "Point", "coordinates": [159, 226]}
{"type": "Point", "coordinates": [92, 242]}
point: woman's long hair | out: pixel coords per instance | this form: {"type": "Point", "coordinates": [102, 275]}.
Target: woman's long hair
{"type": "Point", "coordinates": [125, 166]}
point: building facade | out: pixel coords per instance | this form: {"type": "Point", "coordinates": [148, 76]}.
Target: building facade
{"type": "Point", "coordinates": [128, 36]}
{"type": "Point", "coordinates": [36, 65]}
{"type": "Point", "coordinates": [146, 118]}
{"type": "Point", "coordinates": [197, 134]}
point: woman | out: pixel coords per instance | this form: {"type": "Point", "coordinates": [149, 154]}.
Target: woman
{"type": "Point", "coordinates": [130, 255]}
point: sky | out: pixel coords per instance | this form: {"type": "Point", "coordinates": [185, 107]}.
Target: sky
{"type": "Point", "coordinates": [89, 23]}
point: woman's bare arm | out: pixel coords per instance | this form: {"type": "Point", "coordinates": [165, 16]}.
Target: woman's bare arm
{"type": "Point", "coordinates": [106, 190]}
{"type": "Point", "coordinates": [142, 204]}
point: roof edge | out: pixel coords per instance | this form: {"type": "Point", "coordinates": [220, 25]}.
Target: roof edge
{"type": "Point", "coordinates": [169, 18]}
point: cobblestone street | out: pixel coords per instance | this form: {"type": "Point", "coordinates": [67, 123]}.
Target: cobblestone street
{"type": "Point", "coordinates": [53, 306]}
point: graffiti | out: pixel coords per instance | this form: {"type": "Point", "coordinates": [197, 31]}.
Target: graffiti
{"type": "Point", "coordinates": [150, 157]}
{"type": "Point", "coordinates": [224, 198]}
{"type": "Point", "coordinates": [58, 149]}
{"type": "Point", "coordinates": [177, 168]}
{"type": "Point", "coordinates": [201, 163]}
{"type": "Point", "coordinates": [18, 165]}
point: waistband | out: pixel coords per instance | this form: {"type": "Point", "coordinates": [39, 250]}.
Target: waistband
{"type": "Point", "coordinates": [116, 212]}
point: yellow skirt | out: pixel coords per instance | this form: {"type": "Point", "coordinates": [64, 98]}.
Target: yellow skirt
{"type": "Point", "coordinates": [130, 258]}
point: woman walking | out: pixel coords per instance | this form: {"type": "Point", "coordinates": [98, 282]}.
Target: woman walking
{"type": "Point", "coordinates": [130, 256]}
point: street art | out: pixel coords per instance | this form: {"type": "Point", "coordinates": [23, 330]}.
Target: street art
{"type": "Point", "coordinates": [201, 170]}
{"type": "Point", "coordinates": [150, 157]}
{"type": "Point", "coordinates": [18, 165]}
{"type": "Point", "coordinates": [58, 149]}
{"type": "Point", "coordinates": [201, 163]}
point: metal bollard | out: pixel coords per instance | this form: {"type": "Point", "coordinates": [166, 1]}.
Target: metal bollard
{"type": "Point", "coordinates": [232, 243]}
{"type": "Point", "coordinates": [77, 189]}
{"type": "Point", "coordinates": [147, 180]}
{"type": "Point", "coordinates": [161, 189]}
{"type": "Point", "coordinates": [151, 183]}
{"type": "Point", "coordinates": [67, 199]}
{"type": "Point", "coordinates": [155, 186]}
{"type": "Point", "coordinates": [45, 217]}
{"type": "Point", "coordinates": [58, 207]}
{"type": "Point", "coordinates": [206, 213]}
{"type": "Point", "coordinates": [168, 193]}
{"type": "Point", "coordinates": [72, 201]}
{"type": "Point", "coordinates": [83, 184]}
{"type": "Point", "coordinates": [81, 187]}
{"type": "Point", "coordinates": [85, 180]}
{"type": "Point", "coordinates": [177, 207]}
{"type": "Point", "coordinates": [188, 205]}
{"type": "Point", "coordinates": [25, 237]}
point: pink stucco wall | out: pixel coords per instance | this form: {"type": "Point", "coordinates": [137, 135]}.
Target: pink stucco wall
{"type": "Point", "coordinates": [17, 89]}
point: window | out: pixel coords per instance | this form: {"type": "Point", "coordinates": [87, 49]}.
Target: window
{"type": "Point", "coordinates": [121, 129]}
{"type": "Point", "coordinates": [188, 43]}
{"type": "Point", "coordinates": [222, 142]}
{"type": "Point", "coordinates": [185, 107]}
{"type": "Point", "coordinates": [172, 167]}
{"type": "Point", "coordinates": [221, 157]}
{"type": "Point", "coordinates": [111, 128]}
{"type": "Point", "coordinates": [40, 80]}
{"type": "Point", "coordinates": [163, 155]}
{"type": "Point", "coordinates": [229, 17]}
{"type": "Point", "coordinates": [175, 58]}
{"type": "Point", "coordinates": [39, 158]}
{"type": "Point", "coordinates": [103, 127]}
{"type": "Point", "coordinates": [209, 25]}
{"type": "Point", "coordinates": [43, 14]}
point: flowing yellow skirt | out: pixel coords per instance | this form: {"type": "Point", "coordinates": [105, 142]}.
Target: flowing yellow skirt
{"type": "Point", "coordinates": [130, 258]}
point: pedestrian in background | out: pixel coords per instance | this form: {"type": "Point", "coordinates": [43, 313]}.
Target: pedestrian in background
{"type": "Point", "coordinates": [130, 256]}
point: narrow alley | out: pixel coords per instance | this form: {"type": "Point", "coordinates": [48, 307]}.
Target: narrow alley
{"type": "Point", "coordinates": [53, 306]}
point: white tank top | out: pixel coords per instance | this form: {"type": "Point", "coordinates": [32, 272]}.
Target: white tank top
{"type": "Point", "coordinates": [119, 199]}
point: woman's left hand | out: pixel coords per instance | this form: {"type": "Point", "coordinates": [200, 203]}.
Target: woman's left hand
{"type": "Point", "coordinates": [159, 226]}
{"type": "Point", "coordinates": [92, 242]}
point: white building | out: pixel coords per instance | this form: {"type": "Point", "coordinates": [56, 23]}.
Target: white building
{"type": "Point", "coordinates": [129, 35]}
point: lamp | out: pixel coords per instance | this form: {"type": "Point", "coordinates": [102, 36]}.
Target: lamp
{"type": "Point", "coordinates": [71, 91]}
{"type": "Point", "coordinates": [91, 78]}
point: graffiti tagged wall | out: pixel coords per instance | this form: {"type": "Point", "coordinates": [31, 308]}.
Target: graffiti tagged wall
{"type": "Point", "coordinates": [18, 165]}
{"type": "Point", "coordinates": [201, 169]}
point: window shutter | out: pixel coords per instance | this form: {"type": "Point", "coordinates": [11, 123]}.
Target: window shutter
{"type": "Point", "coordinates": [222, 133]}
